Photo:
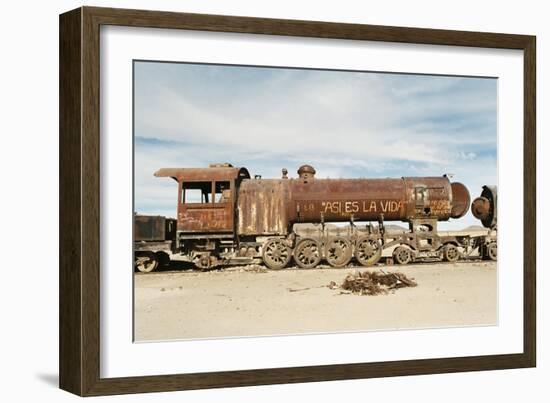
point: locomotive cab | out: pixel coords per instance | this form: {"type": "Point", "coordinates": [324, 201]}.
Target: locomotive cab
{"type": "Point", "coordinates": [206, 199]}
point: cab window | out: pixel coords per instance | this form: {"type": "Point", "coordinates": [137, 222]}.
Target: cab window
{"type": "Point", "coordinates": [195, 192]}
{"type": "Point", "coordinates": [222, 192]}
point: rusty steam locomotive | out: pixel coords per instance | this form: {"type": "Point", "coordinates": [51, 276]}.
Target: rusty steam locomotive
{"type": "Point", "coordinates": [226, 217]}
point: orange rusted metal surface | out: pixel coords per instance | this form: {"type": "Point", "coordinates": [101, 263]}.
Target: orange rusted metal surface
{"type": "Point", "coordinates": [271, 206]}
{"type": "Point", "coordinates": [262, 207]}
{"type": "Point", "coordinates": [229, 201]}
{"type": "Point", "coordinates": [211, 206]}
{"type": "Point", "coordinates": [224, 172]}
{"type": "Point", "coordinates": [334, 200]}
{"type": "Point", "coordinates": [461, 200]}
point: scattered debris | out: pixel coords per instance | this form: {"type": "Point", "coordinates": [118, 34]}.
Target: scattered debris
{"type": "Point", "coordinates": [305, 288]}
{"type": "Point", "coordinates": [372, 283]}
{"type": "Point", "coordinates": [298, 289]}
{"type": "Point", "coordinates": [255, 268]}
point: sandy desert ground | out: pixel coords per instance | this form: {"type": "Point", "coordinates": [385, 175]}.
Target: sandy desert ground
{"type": "Point", "coordinates": [253, 302]}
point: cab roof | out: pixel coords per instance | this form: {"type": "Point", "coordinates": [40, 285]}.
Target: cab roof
{"type": "Point", "coordinates": [216, 173]}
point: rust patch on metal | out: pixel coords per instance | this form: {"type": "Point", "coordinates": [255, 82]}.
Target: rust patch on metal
{"type": "Point", "coordinates": [262, 207]}
{"type": "Point", "coordinates": [272, 206]}
{"type": "Point", "coordinates": [217, 173]}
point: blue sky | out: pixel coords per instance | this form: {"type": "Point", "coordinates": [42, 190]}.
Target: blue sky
{"type": "Point", "coordinates": [345, 124]}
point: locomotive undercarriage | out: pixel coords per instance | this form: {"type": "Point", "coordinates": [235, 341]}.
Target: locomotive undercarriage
{"type": "Point", "coordinates": [366, 244]}
{"type": "Point", "coordinates": [211, 252]}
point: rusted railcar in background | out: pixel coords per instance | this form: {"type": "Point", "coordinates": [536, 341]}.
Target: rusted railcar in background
{"type": "Point", "coordinates": [154, 241]}
{"type": "Point", "coordinates": [226, 217]}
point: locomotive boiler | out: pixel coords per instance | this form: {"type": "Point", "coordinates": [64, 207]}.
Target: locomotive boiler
{"type": "Point", "coordinates": [226, 217]}
{"type": "Point", "coordinates": [311, 200]}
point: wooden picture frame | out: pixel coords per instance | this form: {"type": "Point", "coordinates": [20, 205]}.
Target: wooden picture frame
{"type": "Point", "coordinates": [79, 346]}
